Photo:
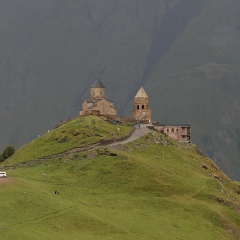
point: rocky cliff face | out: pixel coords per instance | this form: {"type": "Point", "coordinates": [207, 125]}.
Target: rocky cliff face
{"type": "Point", "coordinates": [185, 53]}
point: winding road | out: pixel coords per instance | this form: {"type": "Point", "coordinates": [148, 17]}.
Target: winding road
{"type": "Point", "coordinates": [137, 133]}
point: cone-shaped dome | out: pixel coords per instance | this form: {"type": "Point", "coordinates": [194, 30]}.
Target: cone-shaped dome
{"type": "Point", "coordinates": [141, 93]}
{"type": "Point", "coordinates": [97, 84]}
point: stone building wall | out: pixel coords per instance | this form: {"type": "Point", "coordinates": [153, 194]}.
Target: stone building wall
{"type": "Point", "coordinates": [85, 107]}
{"type": "Point", "coordinates": [181, 133]}
{"type": "Point", "coordinates": [97, 93]}
{"type": "Point", "coordinates": [105, 107]}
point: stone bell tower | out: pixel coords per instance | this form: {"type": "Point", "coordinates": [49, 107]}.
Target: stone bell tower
{"type": "Point", "coordinates": [97, 90]}
{"type": "Point", "coordinates": [141, 111]}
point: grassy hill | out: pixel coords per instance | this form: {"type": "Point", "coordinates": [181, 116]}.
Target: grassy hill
{"type": "Point", "coordinates": [76, 133]}
{"type": "Point", "coordinates": [152, 188]}
{"type": "Point", "coordinates": [185, 53]}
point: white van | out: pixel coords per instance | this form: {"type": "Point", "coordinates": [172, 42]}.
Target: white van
{"type": "Point", "coordinates": [3, 174]}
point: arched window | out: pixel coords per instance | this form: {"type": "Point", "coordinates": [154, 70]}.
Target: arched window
{"type": "Point", "coordinates": [142, 106]}
{"type": "Point", "coordinates": [168, 130]}
{"type": "Point", "coordinates": [172, 130]}
{"type": "Point", "coordinates": [137, 106]}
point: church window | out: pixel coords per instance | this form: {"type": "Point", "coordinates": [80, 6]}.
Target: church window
{"type": "Point", "coordinates": [142, 106]}
{"type": "Point", "coordinates": [137, 106]}
{"type": "Point", "coordinates": [172, 130]}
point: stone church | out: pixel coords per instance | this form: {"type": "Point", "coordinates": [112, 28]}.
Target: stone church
{"type": "Point", "coordinates": [98, 104]}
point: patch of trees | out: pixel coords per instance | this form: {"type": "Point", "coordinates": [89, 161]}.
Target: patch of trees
{"type": "Point", "coordinates": [7, 152]}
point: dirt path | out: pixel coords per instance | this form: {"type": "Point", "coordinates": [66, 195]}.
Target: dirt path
{"type": "Point", "coordinates": [4, 181]}
{"type": "Point", "coordinates": [138, 132]}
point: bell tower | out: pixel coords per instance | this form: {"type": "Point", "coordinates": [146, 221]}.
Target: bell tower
{"type": "Point", "coordinates": [141, 111]}
{"type": "Point", "coordinates": [97, 90]}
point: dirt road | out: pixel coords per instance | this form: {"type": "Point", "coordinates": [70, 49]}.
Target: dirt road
{"type": "Point", "coordinates": [4, 181]}
{"type": "Point", "coordinates": [138, 132]}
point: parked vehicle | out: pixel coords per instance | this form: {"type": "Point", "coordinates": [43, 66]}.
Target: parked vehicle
{"type": "Point", "coordinates": [3, 174]}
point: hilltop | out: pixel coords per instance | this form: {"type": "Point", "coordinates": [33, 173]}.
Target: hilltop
{"type": "Point", "coordinates": [151, 188]}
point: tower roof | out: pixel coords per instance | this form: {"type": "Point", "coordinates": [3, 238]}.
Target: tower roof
{"type": "Point", "coordinates": [97, 84]}
{"type": "Point", "coordinates": [141, 93]}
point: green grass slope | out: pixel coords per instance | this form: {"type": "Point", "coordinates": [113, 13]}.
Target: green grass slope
{"type": "Point", "coordinates": [152, 188]}
{"type": "Point", "coordinates": [76, 133]}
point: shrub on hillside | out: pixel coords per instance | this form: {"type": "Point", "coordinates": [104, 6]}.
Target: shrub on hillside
{"type": "Point", "coordinates": [7, 152]}
{"type": "Point", "coordinates": [1, 157]}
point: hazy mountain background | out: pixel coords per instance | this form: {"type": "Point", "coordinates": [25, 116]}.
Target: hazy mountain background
{"type": "Point", "coordinates": [186, 54]}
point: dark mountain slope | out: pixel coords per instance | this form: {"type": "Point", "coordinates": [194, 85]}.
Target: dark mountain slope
{"type": "Point", "coordinates": [184, 52]}
{"type": "Point", "coordinates": [201, 82]}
